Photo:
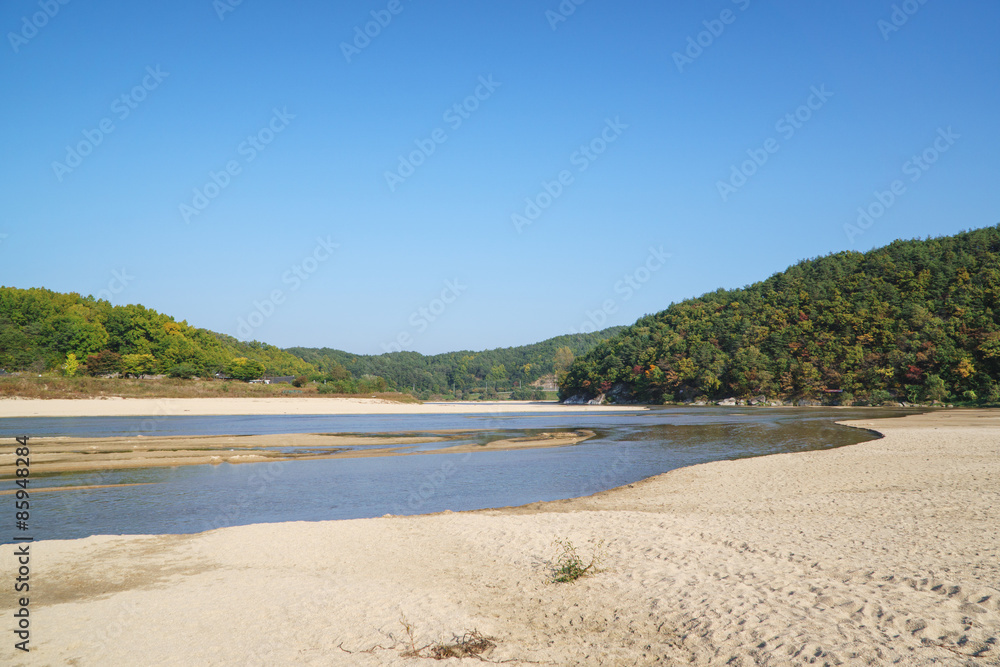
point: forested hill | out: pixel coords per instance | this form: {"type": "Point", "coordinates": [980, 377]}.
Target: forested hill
{"type": "Point", "coordinates": [40, 329]}
{"type": "Point", "coordinates": [440, 373]}
{"type": "Point", "coordinates": [914, 321]}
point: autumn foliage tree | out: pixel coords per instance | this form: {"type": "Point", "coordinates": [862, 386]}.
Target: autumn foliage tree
{"type": "Point", "coordinates": [105, 362]}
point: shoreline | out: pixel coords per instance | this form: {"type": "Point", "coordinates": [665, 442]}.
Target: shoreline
{"type": "Point", "coordinates": [880, 552]}
{"type": "Point", "coordinates": [26, 408]}
{"type": "Point", "coordinates": [203, 407]}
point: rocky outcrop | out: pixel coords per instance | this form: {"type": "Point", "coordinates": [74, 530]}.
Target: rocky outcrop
{"type": "Point", "coordinates": [583, 399]}
{"type": "Point", "coordinates": [621, 393]}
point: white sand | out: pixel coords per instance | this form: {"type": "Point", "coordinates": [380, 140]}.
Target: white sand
{"type": "Point", "coordinates": [879, 553]}
{"type": "Point", "coordinates": [156, 407]}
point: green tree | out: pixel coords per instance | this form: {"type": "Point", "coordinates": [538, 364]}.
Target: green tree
{"type": "Point", "coordinates": [137, 365]}
{"type": "Point", "coordinates": [72, 333]}
{"type": "Point", "coordinates": [72, 365]}
{"type": "Point", "coordinates": [337, 372]}
{"type": "Point", "coordinates": [935, 388]}
{"type": "Point", "coordinates": [562, 361]}
{"type": "Point", "coordinates": [17, 347]}
{"type": "Point", "coordinates": [371, 384]}
{"type": "Point", "coordinates": [497, 375]}
{"type": "Point", "coordinates": [245, 369]}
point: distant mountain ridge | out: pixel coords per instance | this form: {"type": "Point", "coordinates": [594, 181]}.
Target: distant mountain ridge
{"type": "Point", "coordinates": [441, 373]}
{"type": "Point", "coordinates": [912, 321]}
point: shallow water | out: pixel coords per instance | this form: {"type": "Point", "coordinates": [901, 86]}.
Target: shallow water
{"type": "Point", "coordinates": [188, 499]}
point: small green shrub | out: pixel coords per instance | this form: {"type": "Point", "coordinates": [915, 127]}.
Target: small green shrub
{"type": "Point", "coordinates": [339, 387]}
{"type": "Point", "coordinates": [569, 566]}
{"type": "Point", "coordinates": [527, 394]}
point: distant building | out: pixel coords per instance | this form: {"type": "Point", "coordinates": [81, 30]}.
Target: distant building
{"type": "Point", "coordinates": [281, 379]}
{"type": "Point", "coordinates": [278, 379]}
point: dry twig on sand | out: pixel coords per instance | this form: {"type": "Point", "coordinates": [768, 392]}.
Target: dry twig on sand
{"type": "Point", "coordinates": [470, 645]}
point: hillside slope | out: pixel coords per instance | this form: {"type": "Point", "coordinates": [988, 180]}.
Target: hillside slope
{"type": "Point", "coordinates": [40, 328]}
{"type": "Point", "coordinates": [915, 321]}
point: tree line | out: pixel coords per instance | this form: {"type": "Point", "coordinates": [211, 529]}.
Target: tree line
{"type": "Point", "coordinates": [502, 369]}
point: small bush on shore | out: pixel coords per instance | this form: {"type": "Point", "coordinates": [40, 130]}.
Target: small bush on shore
{"type": "Point", "coordinates": [569, 566]}
{"type": "Point", "coordinates": [527, 394]}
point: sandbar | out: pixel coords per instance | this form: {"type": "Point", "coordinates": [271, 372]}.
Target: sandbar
{"type": "Point", "coordinates": [80, 455]}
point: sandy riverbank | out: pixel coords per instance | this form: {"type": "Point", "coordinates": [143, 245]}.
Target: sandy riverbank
{"type": "Point", "coordinates": [64, 454]}
{"type": "Point", "coordinates": [164, 407]}
{"type": "Point", "coordinates": [875, 553]}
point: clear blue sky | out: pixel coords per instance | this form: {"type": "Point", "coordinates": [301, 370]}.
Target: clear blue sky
{"type": "Point", "coordinates": [887, 92]}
